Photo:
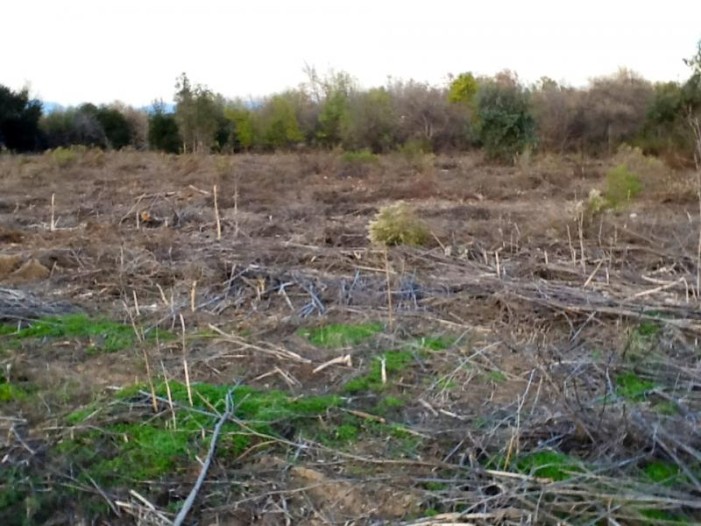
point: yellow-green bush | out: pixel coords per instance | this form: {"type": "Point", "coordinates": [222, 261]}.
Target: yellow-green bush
{"type": "Point", "coordinates": [622, 185]}
{"type": "Point", "coordinates": [397, 224]}
{"type": "Point", "coordinates": [63, 157]}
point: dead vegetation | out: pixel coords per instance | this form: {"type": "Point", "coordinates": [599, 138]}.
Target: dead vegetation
{"type": "Point", "coordinates": [525, 367]}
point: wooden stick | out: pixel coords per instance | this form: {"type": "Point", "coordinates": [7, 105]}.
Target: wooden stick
{"type": "Point", "coordinates": [216, 213]}
{"type": "Point", "coordinates": [193, 292]}
{"type": "Point", "coordinates": [390, 319]}
{"type": "Point", "coordinates": [52, 226]}
{"type": "Point", "coordinates": [236, 206]}
{"type": "Point", "coordinates": [180, 518]}
{"type": "Point", "coordinates": [185, 366]}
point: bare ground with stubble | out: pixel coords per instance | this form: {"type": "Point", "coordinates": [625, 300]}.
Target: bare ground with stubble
{"type": "Point", "coordinates": [566, 387]}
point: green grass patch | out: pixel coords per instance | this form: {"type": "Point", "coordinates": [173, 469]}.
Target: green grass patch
{"type": "Point", "coordinates": [360, 157]}
{"type": "Point", "coordinates": [663, 517]}
{"type": "Point", "coordinates": [124, 452]}
{"type": "Point", "coordinates": [435, 343]}
{"type": "Point", "coordinates": [548, 464]}
{"type": "Point", "coordinates": [497, 377]}
{"type": "Point", "coordinates": [395, 361]}
{"type": "Point", "coordinates": [660, 472]}
{"type": "Point", "coordinates": [631, 387]}
{"type": "Point", "coordinates": [340, 335]}
{"type": "Point", "coordinates": [103, 335]}
{"type": "Point", "coordinates": [649, 329]}
{"type": "Point", "coordinates": [388, 404]}
{"type": "Point", "coordinates": [11, 393]}
{"type": "Point", "coordinates": [666, 408]}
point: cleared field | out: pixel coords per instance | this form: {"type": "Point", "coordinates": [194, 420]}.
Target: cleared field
{"type": "Point", "coordinates": [533, 363]}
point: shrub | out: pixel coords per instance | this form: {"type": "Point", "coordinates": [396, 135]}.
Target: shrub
{"type": "Point", "coordinates": [596, 203]}
{"type": "Point", "coordinates": [622, 185]}
{"type": "Point", "coordinates": [359, 157]}
{"type": "Point", "coordinates": [357, 163]}
{"type": "Point", "coordinates": [371, 121]}
{"type": "Point", "coordinates": [63, 157]}
{"type": "Point", "coordinates": [505, 125]}
{"type": "Point", "coordinates": [277, 123]}
{"type": "Point", "coordinates": [397, 224]}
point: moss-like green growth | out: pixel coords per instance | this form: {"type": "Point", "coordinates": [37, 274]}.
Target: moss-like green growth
{"type": "Point", "coordinates": [666, 408]}
{"type": "Point", "coordinates": [340, 335]}
{"type": "Point", "coordinates": [630, 386]}
{"type": "Point", "coordinates": [660, 472]}
{"type": "Point", "coordinates": [389, 404]}
{"type": "Point", "coordinates": [346, 433]}
{"type": "Point", "coordinates": [497, 377]}
{"type": "Point", "coordinates": [649, 329]}
{"type": "Point", "coordinates": [79, 416]}
{"type": "Point", "coordinates": [102, 335]}
{"type": "Point", "coordinates": [11, 393]}
{"type": "Point", "coordinates": [548, 464]}
{"type": "Point", "coordinates": [128, 451]}
{"type": "Point", "coordinates": [435, 343]}
{"type": "Point", "coordinates": [395, 361]}
{"type": "Point", "coordinates": [660, 517]}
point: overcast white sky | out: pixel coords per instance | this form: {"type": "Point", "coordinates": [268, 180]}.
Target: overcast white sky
{"type": "Point", "coordinates": [73, 51]}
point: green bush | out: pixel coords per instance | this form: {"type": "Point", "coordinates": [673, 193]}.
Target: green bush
{"type": "Point", "coordinates": [63, 157]}
{"type": "Point", "coordinates": [505, 125]}
{"type": "Point", "coordinates": [622, 185]}
{"type": "Point", "coordinates": [359, 157]}
{"type": "Point", "coordinates": [397, 224]}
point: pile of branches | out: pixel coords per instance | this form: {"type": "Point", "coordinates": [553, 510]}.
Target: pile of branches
{"type": "Point", "coordinates": [17, 306]}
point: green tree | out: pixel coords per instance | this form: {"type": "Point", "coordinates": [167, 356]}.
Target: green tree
{"type": "Point", "coordinates": [665, 130]}
{"type": "Point", "coordinates": [332, 95]}
{"type": "Point", "coordinates": [692, 101]}
{"type": "Point", "coordinates": [115, 127]}
{"type": "Point", "coordinates": [505, 125]}
{"type": "Point", "coordinates": [277, 123]}
{"type": "Point", "coordinates": [19, 121]}
{"type": "Point", "coordinates": [463, 88]}
{"type": "Point", "coordinates": [371, 122]}
{"type": "Point", "coordinates": [198, 115]}
{"type": "Point", "coordinates": [242, 135]}
{"type": "Point", "coordinates": [163, 132]}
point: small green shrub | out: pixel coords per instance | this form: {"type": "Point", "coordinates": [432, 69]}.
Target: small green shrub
{"type": "Point", "coordinates": [622, 186]}
{"type": "Point", "coordinates": [397, 224]}
{"type": "Point", "coordinates": [11, 393]}
{"type": "Point", "coordinates": [596, 203]}
{"type": "Point", "coordinates": [359, 157]}
{"type": "Point", "coordinates": [64, 157]}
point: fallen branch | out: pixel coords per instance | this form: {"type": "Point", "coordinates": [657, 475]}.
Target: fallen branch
{"type": "Point", "coordinates": [180, 518]}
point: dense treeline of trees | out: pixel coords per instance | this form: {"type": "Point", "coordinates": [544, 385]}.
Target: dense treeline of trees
{"type": "Point", "coordinates": [499, 114]}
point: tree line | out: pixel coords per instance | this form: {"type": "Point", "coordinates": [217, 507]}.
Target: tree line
{"type": "Point", "coordinates": [499, 114]}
